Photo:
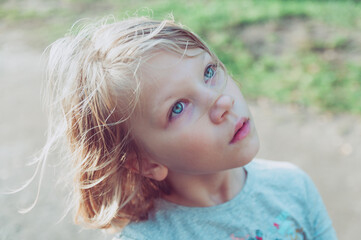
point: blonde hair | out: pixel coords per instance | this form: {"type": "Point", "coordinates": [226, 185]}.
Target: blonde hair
{"type": "Point", "coordinates": [92, 89]}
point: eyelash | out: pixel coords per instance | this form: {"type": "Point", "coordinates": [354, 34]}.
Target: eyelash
{"type": "Point", "coordinates": [214, 68]}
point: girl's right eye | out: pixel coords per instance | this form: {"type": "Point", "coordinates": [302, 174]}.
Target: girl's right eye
{"type": "Point", "coordinates": [177, 109]}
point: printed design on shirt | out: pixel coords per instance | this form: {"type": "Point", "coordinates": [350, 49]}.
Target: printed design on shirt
{"type": "Point", "coordinates": [283, 228]}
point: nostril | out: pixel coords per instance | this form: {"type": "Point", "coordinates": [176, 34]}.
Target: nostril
{"type": "Point", "coordinates": [224, 114]}
{"type": "Point", "coordinates": [221, 108]}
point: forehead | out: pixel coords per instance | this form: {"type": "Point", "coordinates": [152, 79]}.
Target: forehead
{"type": "Point", "coordinates": [163, 61]}
{"type": "Point", "coordinates": [165, 68]}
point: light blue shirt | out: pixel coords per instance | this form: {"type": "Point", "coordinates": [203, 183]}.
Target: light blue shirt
{"type": "Point", "coordinates": [278, 201]}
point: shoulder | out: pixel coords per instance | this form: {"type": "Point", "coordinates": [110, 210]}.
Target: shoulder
{"type": "Point", "coordinates": [130, 233]}
{"type": "Point", "coordinates": [138, 231]}
{"type": "Point", "coordinates": [263, 164]}
{"type": "Point", "coordinates": [273, 168]}
{"type": "Point", "coordinates": [155, 227]}
{"type": "Point", "coordinates": [277, 175]}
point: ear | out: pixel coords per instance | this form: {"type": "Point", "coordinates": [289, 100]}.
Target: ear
{"type": "Point", "coordinates": [154, 170]}
{"type": "Point", "coordinates": [150, 168]}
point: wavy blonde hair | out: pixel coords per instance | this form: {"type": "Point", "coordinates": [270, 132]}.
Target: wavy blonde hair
{"type": "Point", "coordinates": [93, 89]}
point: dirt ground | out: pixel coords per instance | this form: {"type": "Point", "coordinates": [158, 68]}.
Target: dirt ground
{"type": "Point", "coordinates": [326, 146]}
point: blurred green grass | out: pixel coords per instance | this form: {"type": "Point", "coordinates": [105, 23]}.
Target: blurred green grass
{"type": "Point", "coordinates": [304, 75]}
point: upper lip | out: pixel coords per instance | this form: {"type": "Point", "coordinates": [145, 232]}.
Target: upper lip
{"type": "Point", "coordinates": [239, 125]}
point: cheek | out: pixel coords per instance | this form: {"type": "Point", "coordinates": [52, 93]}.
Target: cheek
{"type": "Point", "coordinates": [193, 143]}
{"type": "Point", "coordinates": [189, 143]}
{"type": "Point", "coordinates": [198, 143]}
{"type": "Point", "coordinates": [182, 151]}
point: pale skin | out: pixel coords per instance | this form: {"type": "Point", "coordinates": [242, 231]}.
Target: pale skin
{"type": "Point", "coordinates": [186, 125]}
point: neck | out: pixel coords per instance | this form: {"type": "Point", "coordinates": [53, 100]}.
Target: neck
{"type": "Point", "coordinates": [205, 190]}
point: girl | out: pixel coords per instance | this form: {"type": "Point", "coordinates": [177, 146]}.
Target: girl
{"type": "Point", "coordinates": [162, 142]}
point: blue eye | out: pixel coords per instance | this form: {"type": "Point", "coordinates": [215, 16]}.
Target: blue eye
{"type": "Point", "coordinates": [177, 109]}
{"type": "Point", "coordinates": [210, 72]}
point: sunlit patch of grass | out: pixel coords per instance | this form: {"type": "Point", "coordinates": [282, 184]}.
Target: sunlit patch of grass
{"type": "Point", "coordinates": [303, 77]}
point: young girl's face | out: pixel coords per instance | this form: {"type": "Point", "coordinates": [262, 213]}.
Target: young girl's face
{"type": "Point", "coordinates": [190, 118]}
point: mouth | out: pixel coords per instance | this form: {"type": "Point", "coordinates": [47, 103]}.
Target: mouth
{"type": "Point", "coordinates": [241, 131]}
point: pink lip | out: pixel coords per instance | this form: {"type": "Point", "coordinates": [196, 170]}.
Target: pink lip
{"type": "Point", "coordinates": [242, 129]}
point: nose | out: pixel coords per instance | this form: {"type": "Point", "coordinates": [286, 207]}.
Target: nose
{"type": "Point", "coordinates": [221, 108]}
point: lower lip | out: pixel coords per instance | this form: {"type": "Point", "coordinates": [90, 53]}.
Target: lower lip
{"type": "Point", "coordinates": [242, 132]}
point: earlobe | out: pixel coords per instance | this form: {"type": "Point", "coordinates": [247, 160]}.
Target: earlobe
{"type": "Point", "coordinates": [149, 168]}
{"type": "Point", "coordinates": [154, 171]}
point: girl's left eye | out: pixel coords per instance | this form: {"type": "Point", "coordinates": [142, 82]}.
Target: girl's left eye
{"type": "Point", "coordinates": [209, 72]}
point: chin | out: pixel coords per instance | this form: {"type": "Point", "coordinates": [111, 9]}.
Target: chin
{"type": "Point", "coordinates": [252, 150]}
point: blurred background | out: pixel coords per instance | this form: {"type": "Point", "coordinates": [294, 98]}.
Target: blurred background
{"type": "Point", "coordinates": [298, 63]}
